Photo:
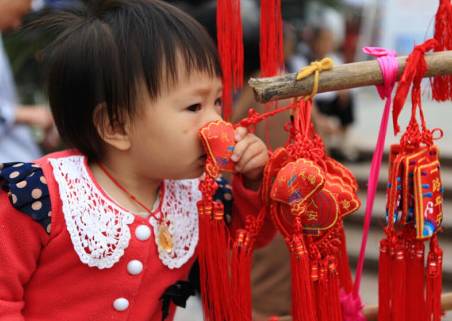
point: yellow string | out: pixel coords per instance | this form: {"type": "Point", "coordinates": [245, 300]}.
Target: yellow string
{"type": "Point", "coordinates": [315, 68]}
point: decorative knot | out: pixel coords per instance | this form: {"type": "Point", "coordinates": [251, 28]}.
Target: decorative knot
{"type": "Point", "coordinates": [315, 68]}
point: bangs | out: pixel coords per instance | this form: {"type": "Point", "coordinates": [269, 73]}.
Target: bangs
{"type": "Point", "coordinates": [154, 40]}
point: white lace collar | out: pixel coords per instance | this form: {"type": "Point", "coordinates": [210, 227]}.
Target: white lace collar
{"type": "Point", "coordinates": [181, 215]}
{"type": "Point", "coordinates": [99, 228]}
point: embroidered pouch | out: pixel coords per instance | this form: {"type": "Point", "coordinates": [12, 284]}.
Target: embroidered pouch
{"type": "Point", "coordinates": [218, 141]}
{"type": "Point", "coordinates": [394, 189]}
{"type": "Point", "coordinates": [346, 198]}
{"type": "Point", "coordinates": [339, 170]}
{"type": "Point", "coordinates": [297, 181]}
{"type": "Point", "coordinates": [322, 212]}
{"type": "Point", "coordinates": [278, 159]}
{"type": "Point", "coordinates": [301, 185]}
{"type": "Point", "coordinates": [413, 159]}
{"type": "Point", "coordinates": [428, 195]}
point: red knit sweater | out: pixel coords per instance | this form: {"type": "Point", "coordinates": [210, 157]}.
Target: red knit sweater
{"type": "Point", "coordinates": [42, 276]}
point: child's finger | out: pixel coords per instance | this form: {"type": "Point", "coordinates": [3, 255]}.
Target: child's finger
{"type": "Point", "coordinates": [253, 160]}
{"type": "Point", "coordinates": [255, 163]}
{"type": "Point", "coordinates": [253, 149]}
{"type": "Point", "coordinates": [241, 147]}
{"type": "Point", "coordinates": [240, 133]}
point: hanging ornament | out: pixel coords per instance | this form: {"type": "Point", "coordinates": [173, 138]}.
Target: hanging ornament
{"type": "Point", "coordinates": [309, 197]}
{"type": "Point", "coordinates": [414, 210]}
{"type": "Point", "coordinates": [165, 239]}
{"type": "Point", "coordinates": [225, 260]}
{"type": "Point", "coordinates": [213, 245]}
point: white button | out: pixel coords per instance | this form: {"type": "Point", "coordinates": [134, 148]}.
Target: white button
{"type": "Point", "coordinates": [143, 232]}
{"type": "Point", "coordinates": [121, 304]}
{"type": "Point", "coordinates": [134, 267]}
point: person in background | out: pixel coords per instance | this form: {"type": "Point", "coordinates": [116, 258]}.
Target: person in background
{"type": "Point", "coordinates": [16, 139]}
{"type": "Point", "coordinates": [337, 105]}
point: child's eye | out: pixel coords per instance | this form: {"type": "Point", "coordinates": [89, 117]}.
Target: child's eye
{"type": "Point", "coordinates": [218, 102]}
{"type": "Point", "coordinates": [194, 107]}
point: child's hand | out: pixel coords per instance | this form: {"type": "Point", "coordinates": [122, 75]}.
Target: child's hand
{"type": "Point", "coordinates": [250, 155]}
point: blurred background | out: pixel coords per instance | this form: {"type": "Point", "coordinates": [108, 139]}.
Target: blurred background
{"type": "Point", "coordinates": [347, 120]}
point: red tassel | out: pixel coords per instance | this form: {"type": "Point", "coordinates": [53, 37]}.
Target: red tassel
{"type": "Point", "coordinates": [398, 283]}
{"type": "Point", "coordinates": [204, 211]}
{"type": "Point", "coordinates": [442, 85]}
{"type": "Point", "coordinates": [271, 38]}
{"type": "Point", "coordinates": [384, 281]}
{"type": "Point", "coordinates": [230, 47]}
{"type": "Point", "coordinates": [327, 291]}
{"type": "Point", "coordinates": [210, 289]}
{"type": "Point", "coordinates": [241, 272]}
{"type": "Point", "coordinates": [415, 69]}
{"type": "Point", "coordinates": [320, 277]}
{"type": "Point", "coordinates": [213, 256]}
{"type": "Point", "coordinates": [434, 280]}
{"type": "Point", "coordinates": [333, 304]}
{"type": "Point", "coordinates": [219, 261]}
{"type": "Point", "coordinates": [345, 275]}
{"type": "Point", "coordinates": [271, 47]}
{"type": "Point", "coordinates": [415, 301]}
{"type": "Point", "coordinates": [302, 293]}
{"type": "Point", "coordinates": [237, 40]}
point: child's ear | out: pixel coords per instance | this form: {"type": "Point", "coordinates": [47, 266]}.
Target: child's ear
{"type": "Point", "coordinates": [112, 134]}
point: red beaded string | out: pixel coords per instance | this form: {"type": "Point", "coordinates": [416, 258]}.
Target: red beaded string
{"type": "Point", "coordinates": [131, 196]}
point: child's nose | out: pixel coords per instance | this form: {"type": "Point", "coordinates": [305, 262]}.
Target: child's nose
{"type": "Point", "coordinates": [213, 115]}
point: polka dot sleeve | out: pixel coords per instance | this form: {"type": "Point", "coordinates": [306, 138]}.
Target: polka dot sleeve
{"type": "Point", "coordinates": [27, 191]}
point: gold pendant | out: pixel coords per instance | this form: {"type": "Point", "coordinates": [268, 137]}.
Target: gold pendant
{"type": "Point", "coordinates": [165, 238]}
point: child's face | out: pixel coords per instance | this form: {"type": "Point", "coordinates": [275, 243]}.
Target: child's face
{"type": "Point", "coordinates": [164, 137]}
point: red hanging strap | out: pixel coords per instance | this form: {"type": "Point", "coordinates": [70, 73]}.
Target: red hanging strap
{"type": "Point", "coordinates": [254, 117]}
{"type": "Point", "coordinates": [415, 69]}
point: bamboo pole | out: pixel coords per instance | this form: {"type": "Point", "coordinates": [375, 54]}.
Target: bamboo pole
{"type": "Point", "coordinates": [346, 76]}
{"type": "Point", "coordinates": [371, 312]}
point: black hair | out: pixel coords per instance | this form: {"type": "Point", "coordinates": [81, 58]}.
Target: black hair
{"type": "Point", "coordinates": [106, 50]}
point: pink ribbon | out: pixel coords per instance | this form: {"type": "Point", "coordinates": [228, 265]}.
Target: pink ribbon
{"type": "Point", "coordinates": [352, 306]}
{"type": "Point", "coordinates": [389, 68]}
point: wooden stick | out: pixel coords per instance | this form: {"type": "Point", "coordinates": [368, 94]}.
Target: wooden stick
{"type": "Point", "coordinates": [358, 74]}
{"type": "Point", "coordinates": [371, 312]}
